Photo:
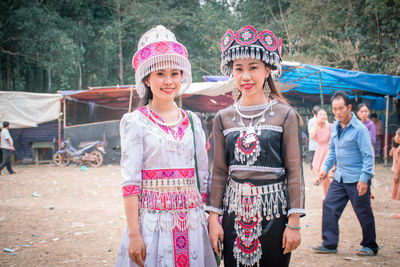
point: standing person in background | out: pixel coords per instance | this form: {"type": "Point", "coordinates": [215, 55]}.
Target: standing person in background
{"type": "Point", "coordinates": [363, 114]}
{"type": "Point", "coordinates": [321, 132]}
{"type": "Point", "coordinates": [378, 135]}
{"type": "Point", "coordinates": [312, 144]}
{"type": "Point", "coordinates": [257, 181]}
{"type": "Point", "coordinates": [160, 142]}
{"type": "Point", "coordinates": [7, 146]}
{"type": "Point", "coordinates": [395, 153]}
{"type": "Point", "coordinates": [350, 147]}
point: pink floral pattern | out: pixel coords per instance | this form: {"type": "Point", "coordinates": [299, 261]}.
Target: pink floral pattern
{"type": "Point", "coordinates": [227, 40]}
{"type": "Point", "coordinates": [130, 190]}
{"type": "Point", "coordinates": [268, 40]}
{"type": "Point", "coordinates": [181, 246]}
{"type": "Point", "coordinates": [280, 47]}
{"type": "Point", "coordinates": [156, 49]}
{"type": "Point", "coordinates": [167, 173]}
{"type": "Point", "coordinates": [246, 35]}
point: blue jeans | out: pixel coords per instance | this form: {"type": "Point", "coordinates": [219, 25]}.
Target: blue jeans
{"type": "Point", "coordinates": [6, 160]}
{"type": "Point", "coordinates": [336, 200]}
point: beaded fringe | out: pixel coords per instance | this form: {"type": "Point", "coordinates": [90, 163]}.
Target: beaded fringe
{"type": "Point", "coordinates": [251, 204]}
{"type": "Point", "coordinates": [156, 220]}
{"type": "Point", "coordinates": [241, 52]}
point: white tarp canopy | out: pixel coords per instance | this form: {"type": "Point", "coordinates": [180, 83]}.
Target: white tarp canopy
{"type": "Point", "coordinates": [23, 110]}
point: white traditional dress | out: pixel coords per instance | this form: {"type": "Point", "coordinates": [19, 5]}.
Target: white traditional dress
{"type": "Point", "coordinates": [157, 163]}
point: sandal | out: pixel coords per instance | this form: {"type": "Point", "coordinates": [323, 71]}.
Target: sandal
{"type": "Point", "coordinates": [365, 251]}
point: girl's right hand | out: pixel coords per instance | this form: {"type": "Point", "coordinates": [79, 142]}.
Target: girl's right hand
{"type": "Point", "coordinates": [215, 231]}
{"type": "Point", "coordinates": [137, 249]}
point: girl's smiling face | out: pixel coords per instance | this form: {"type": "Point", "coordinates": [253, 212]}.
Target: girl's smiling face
{"type": "Point", "coordinates": [249, 75]}
{"type": "Point", "coordinates": [165, 83]}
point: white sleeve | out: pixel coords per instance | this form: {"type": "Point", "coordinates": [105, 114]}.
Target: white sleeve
{"type": "Point", "coordinates": [131, 154]}
{"type": "Point", "coordinates": [202, 159]}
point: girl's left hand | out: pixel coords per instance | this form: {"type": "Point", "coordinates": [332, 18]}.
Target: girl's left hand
{"type": "Point", "coordinates": [291, 240]}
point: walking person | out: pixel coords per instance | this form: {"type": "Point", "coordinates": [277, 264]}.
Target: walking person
{"type": "Point", "coordinates": [163, 163]}
{"type": "Point", "coordinates": [321, 132]}
{"type": "Point", "coordinates": [257, 183]}
{"type": "Point", "coordinates": [7, 147]}
{"type": "Point", "coordinates": [350, 147]}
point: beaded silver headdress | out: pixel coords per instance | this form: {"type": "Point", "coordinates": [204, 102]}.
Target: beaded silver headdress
{"type": "Point", "coordinates": [247, 43]}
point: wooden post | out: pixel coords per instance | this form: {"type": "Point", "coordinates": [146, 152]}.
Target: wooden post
{"type": "Point", "coordinates": [130, 98]}
{"type": "Point", "coordinates": [64, 112]}
{"type": "Point", "coordinates": [320, 90]}
{"type": "Point", "coordinates": [385, 149]}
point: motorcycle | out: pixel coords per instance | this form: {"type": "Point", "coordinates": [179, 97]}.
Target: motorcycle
{"type": "Point", "coordinates": [91, 154]}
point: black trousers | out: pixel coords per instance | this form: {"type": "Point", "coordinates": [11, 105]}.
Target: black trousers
{"type": "Point", "coordinates": [6, 160]}
{"type": "Point", "coordinates": [336, 200]}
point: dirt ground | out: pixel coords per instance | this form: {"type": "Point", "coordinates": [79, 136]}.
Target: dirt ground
{"type": "Point", "coordinates": [52, 216]}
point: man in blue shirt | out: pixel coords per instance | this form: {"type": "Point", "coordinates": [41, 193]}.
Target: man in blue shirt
{"type": "Point", "coordinates": [350, 148]}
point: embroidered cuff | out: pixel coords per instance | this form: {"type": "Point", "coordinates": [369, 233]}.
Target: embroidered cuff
{"type": "Point", "coordinates": [302, 212]}
{"type": "Point", "coordinates": [130, 190]}
{"type": "Point", "coordinates": [209, 208]}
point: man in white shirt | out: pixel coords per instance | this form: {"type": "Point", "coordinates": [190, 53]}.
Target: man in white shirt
{"type": "Point", "coordinates": [312, 144]}
{"type": "Point", "coordinates": [7, 146]}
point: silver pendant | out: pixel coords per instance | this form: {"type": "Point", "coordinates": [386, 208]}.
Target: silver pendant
{"type": "Point", "coordinates": [272, 113]}
{"type": "Point", "coordinates": [249, 138]}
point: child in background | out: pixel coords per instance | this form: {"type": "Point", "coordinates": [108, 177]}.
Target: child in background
{"type": "Point", "coordinates": [395, 153]}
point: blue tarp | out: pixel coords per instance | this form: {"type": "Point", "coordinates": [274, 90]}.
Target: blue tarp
{"type": "Point", "coordinates": [307, 79]}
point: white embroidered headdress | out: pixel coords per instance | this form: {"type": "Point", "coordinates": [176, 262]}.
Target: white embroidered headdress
{"type": "Point", "coordinates": [158, 49]}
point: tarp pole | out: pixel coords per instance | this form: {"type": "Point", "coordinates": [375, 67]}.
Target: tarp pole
{"type": "Point", "coordinates": [130, 98]}
{"type": "Point", "coordinates": [385, 150]}
{"type": "Point", "coordinates": [64, 112]}
{"type": "Point", "coordinates": [320, 89]}
{"type": "Point", "coordinates": [59, 133]}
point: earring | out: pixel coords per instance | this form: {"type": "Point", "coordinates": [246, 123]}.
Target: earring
{"type": "Point", "coordinates": [236, 94]}
{"type": "Point", "coordinates": [266, 89]}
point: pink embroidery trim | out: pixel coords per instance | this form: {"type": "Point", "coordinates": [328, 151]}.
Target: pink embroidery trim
{"type": "Point", "coordinates": [181, 246]}
{"type": "Point", "coordinates": [156, 49]}
{"type": "Point", "coordinates": [167, 173]}
{"type": "Point", "coordinates": [181, 129]}
{"type": "Point", "coordinates": [130, 190]}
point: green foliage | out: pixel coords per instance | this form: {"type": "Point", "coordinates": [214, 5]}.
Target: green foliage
{"type": "Point", "coordinates": [47, 46]}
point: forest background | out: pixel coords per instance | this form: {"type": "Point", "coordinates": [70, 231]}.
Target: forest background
{"type": "Point", "coordinates": [53, 45]}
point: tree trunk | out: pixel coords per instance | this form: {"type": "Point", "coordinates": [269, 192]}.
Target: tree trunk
{"type": "Point", "coordinates": [1, 77]}
{"type": "Point", "coordinates": [17, 69]}
{"type": "Point", "coordinates": [80, 77]}
{"type": "Point", "coordinates": [121, 64]}
{"type": "Point", "coordinates": [49, 79]}
{"type": "Point", "coordinates": [44, 80]}
{"type": "Point", "coordinates": [28, 79]}
{"type": "Point", "coordinates": [8, 81]}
